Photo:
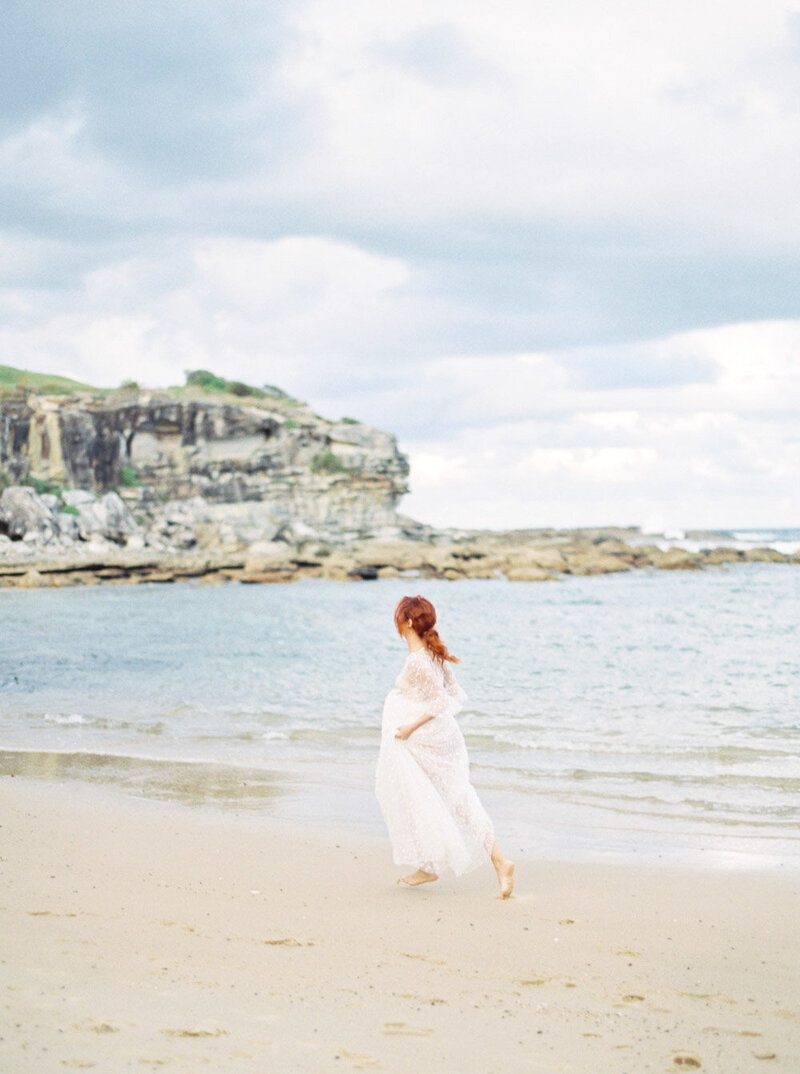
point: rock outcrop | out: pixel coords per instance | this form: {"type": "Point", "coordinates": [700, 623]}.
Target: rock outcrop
{"type": "Point", "coordinates": [135, 486]}
{"type": "Point", "coordinates": [520, 556]}
{"type": "Point", "coordinates": [199, 470]}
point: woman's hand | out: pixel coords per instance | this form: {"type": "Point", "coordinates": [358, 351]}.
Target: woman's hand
{"type": "Point", "coordinates": [407, 729]}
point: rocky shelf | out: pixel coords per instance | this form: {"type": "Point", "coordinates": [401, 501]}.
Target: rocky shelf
{"type": "Point", "coordinates": [519, 556]}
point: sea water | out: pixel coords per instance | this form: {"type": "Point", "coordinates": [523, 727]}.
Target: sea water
{"type": "Point", "coordinates": [647, 715]}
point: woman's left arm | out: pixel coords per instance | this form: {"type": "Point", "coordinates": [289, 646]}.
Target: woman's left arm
{"type": "Point", "coordinates": [431, 687]}
{"type": "Point", "coordinates": [408, 729]}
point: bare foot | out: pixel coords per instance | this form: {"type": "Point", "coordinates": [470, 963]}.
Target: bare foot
{"type": "Point", "coordinates": [505, 875]}
{"type": "Point", "coordinates": [417, 878]}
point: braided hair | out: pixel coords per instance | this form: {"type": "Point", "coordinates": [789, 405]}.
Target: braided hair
{"type": "Point", "coordinates": [423, 619]}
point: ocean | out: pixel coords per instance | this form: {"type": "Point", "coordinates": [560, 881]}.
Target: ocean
{"type": "Point", "coordinates": [648, 716]}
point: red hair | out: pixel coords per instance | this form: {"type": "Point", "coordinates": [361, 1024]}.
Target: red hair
{"type": "Point", "coordinates": [423, 619]}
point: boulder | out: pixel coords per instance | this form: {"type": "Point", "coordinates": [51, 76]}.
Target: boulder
{"type": "Point", "coordinates": [529, 574]}
{"type": "Point", "coordinates": [266, 556]}
{"type": "Point", "coordinates": [764, 555]}
{"type": "Point", "coordinates": [676, 559]}
{"type": "Point", "coordinates": [107, 517]}
{"type": "Point", "coordinates": [588, 561]}
{"type": "Point", "coordinates": [550, 559]}
{"type": "Point", "coordinates": [643, 554]}
{"type": "Point", "coordinates": [531, 558]}
{"type": "Point", "coordinates": [50, 501]}
{"type": "Point", "coordinates": [402, 555]}
{"type": "Point", "coordinates": [25, 516]}
{"type": "Point", "coordinates": [338, 565]}
{"type": "Point", "coordinates": [613, 546]}
{"type": "Point", "coordinates": [478, 568]}
{"type": "Point", "coordinates": [437, 560]}
{"type": "Point", "coordinates": [68, 526]}
{"type": "Point", "coordinates": [715, 557]}
{"type": "Point", "coordinates": [389, 572]}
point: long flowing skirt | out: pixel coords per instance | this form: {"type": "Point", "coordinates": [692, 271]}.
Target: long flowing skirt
{"type": "Point", "coordinates": [434, 816]}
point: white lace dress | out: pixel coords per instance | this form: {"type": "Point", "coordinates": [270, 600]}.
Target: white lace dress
{"type": "Point", "coordinates": [435, 818]}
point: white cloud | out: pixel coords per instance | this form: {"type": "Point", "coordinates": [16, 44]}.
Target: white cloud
{"type": "Point", "coordinates": [422, 216]}
{"type": "Point", "coordinates": [668, 110]}
{"type": "Point", "coordinates": [296, 276]}
{"type": "Point", "coordinates": [713, 454]}
{"type": "Point", "coordinates": [259, 310]}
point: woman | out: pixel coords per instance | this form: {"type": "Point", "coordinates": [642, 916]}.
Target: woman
{"type": "Point", "coordinates": [433, 814]}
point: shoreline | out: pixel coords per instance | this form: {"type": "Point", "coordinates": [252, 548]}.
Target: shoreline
{"type": "Point", "coordinates": [534, 827]}
{"type": "Point", "coordinates": [138, 936]}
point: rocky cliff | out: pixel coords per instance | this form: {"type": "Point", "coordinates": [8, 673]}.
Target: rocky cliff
{"type": "Point", "coordinates": [200, 470]}
{"type": "Point", "coordinates": [133, 486]}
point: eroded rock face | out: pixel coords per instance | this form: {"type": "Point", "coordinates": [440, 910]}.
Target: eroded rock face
{"type": "Point", "coordinates": [56, 522]}
{"type": "Point", "coordinates": [161, 487]}
{"type": "Point", "coordinates": [237, 472]}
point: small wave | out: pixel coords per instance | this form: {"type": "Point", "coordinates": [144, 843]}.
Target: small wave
{"type": "Point", "coordinates": [789, 785]}
{"type": "Point", "coordinates": [73, 720]}
{"type": "Point", "coordinates": [753, 535]}
{"type": "Point", "coordinates": [782, 540]}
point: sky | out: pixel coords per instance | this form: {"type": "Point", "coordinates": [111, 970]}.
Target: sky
{"type": "Point", "coordinates": [553, 247]}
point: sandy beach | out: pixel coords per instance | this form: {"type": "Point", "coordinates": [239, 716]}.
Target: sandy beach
{"type": "Point", "coordinates": [138, 936]}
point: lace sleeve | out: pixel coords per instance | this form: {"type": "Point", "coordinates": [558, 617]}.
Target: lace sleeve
{"type": "Point", "coordinates": [433, 686]}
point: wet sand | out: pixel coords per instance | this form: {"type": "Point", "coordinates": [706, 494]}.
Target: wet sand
{"type": "Point", "coordinates": [139, 936]}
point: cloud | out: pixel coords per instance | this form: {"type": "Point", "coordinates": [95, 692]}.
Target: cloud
{"type": "Point", "coordinates": [572, 111]}
{"type": "Point", "coordinates": [161, 86]}
{"type": "Point", "coordinates": [248, 309]}
{"type": "Point", "coordinates": [553, 247]}
{"type": "Point", "coordinates": [722, 450]}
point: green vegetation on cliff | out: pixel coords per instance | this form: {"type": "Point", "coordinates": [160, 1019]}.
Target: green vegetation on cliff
{"type": "Point", "coordinates": [22, 380]}
{"type": "Point", "coordinates": [210, 382]}
{"type": "Point", "coordinates": [46, 383]}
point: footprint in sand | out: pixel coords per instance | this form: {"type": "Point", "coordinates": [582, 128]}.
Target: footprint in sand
{"type": "Point", "coordinates": [732, 1032]}
{"type": "Point", "coordinates": [425, 958]}
{"type": "Point", "coordinates": [709, 995]}
{"type": "Point", "coordinates": [197, 1032]}
{"type": "Point", "coordinates": [179, 925]}
{"type": "Point", "coordinates": [403, 1029]}
{"type": "Point", "coordinates": [432, 1000]}
{"type": "Point", "coordinates": [360, 1060]}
